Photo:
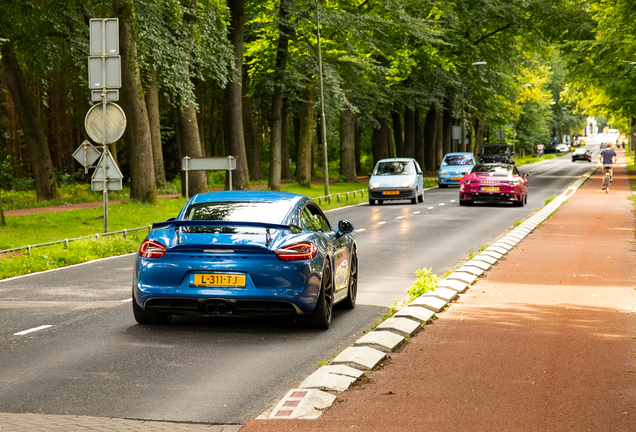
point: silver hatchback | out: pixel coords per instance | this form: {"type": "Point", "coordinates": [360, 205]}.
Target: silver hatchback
{"type": "Point", "coordinates": [396, 179]}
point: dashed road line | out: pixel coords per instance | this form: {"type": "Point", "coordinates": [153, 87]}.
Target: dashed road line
{"type": "Point", "coordinates": [381, 223]}
{"type": "Point", "coordinates": [127, 300]}
{"type": "Point", "coordinates": [23, 332]}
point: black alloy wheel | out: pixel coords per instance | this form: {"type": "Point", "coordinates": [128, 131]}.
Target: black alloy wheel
{"type": "Point", "coordinates": [352, 290]}
{"type": "Point", "coordinates": [149, 317]}
{"type": "Point", "coordinates": [320, 317]}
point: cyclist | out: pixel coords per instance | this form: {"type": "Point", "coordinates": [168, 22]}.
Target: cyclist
{"type": "Point", "coordinates": [608, 159]}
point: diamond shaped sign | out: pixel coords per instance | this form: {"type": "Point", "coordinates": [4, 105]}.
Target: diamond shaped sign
{"type": "Point", "coordinates": [86, 154]}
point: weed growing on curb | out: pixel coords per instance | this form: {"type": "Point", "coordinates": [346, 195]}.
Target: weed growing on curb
{"type": "Point", "coordinates": [426, 281]}
{"type": "Point", "coordinates": [549, 200]}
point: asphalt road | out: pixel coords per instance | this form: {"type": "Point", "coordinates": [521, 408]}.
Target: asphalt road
{"type": "Point", "coordinates": [95, 360]}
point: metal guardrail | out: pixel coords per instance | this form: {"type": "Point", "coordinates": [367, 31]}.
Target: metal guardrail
{"type": "Point", "coordinates": [327, 199]}
{"type": "Point", "coordinates": [66, 241]}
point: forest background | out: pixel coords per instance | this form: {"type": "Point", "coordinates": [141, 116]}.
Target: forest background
{"type": "Point", "coordinates": [240, 77]}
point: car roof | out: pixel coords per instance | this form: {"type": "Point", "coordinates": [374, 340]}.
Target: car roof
{"type": "Point", "coordinates": [263, 196]}
{"type": "Point", "coordinates": [396, 160]}
{"type": "Point", "coordinates": [458, 153]}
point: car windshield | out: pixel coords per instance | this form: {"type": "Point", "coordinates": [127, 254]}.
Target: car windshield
{"type": "Point", "coordinates": [238, 211]}
{"type": "Point", "coordinates": [394, 168]}
{"type": "Point", "coordinates": [458, 160]}
{"type": "Point", "coordinates": [494, 149]}
{"type": "Point", "coordinates": [495, 168]}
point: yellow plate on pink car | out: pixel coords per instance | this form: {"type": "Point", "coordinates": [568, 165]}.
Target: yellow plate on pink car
{"type": "Point", "coordinates": [456, 178]}
{"type": "Point", "coordinates": [220, 280]}
{"type": "Point", "coordinates": [490, 188]}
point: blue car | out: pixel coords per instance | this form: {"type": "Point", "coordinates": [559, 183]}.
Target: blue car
{"type": "Point", "coordinates": [454, 166]}
{"type": "Point", "coordinates": [246, 253]}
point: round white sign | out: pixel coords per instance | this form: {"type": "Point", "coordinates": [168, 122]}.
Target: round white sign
{"type": "Point", "coordinates": [105, 123]}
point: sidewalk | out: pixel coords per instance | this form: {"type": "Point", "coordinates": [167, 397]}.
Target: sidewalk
{"type": "Point", "coordinates": [543, 341]}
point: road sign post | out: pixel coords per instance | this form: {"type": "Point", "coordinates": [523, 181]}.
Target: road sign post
{"type": "Point", "coordinates": [207, 164]}
{"type": "Point", "coordinates": [105, 122]}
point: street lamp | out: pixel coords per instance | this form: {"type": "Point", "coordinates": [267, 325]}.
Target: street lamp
{"type": "Point", "coordinates": [514, 124]}
{"type": "Point", "coordinates": [323, 120]}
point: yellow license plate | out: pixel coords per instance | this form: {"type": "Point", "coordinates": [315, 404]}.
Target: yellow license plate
{"type": "Point", "coordinates": [456, 178]}
{"type": "Point", "coordinates": [490, 189]}
{"type": "Point", "coordinates": [391, 193]}
{"type": "Point", "coordinates": [220, 280]}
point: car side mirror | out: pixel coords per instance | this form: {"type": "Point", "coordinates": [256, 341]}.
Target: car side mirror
{"type": "Point", "coordinates": [512, 154]}
{"type": "Point", "coordinates": [170, 219]}
{"type": "Point", "coordinates": [526, 175]}
{"type": "Point", "coordinates": [344, 227]}
{"type": "Point", "coordinates": [420, 173]}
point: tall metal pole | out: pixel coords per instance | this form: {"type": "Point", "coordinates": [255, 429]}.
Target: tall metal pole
{"type": "Point", "coordinates": [104, 145]}
{"type": "Point", "coordinates": [323, 119]}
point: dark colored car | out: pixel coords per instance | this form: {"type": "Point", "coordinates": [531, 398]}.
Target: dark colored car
{"type": "Point", "coordinates": [246, 253]}
{"type": "Point", "coordinates": [581, 153]}
{"type": "Point", "coordinates": [495, 182]}
{"type": "Point", "coordinates": [549, 148]}
{"type": "Point", "coordinates": [497, 153]}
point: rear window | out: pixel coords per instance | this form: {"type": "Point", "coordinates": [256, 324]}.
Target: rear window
{"type": "Point", "coordinates": [394, 168]}
{"type": "Point", "coordinates": [458, 160]}
{"type": "Point", "coordinates": [490, 150]}
{"type": "Point", "coordinates": [238, 211]}
{"type": "Point", "coordinates": [495, 168]}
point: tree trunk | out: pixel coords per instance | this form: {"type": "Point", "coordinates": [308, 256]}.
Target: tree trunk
{"type": "Point", "coordinates": [358, 132]}
{"type": "Point", "coordinates": [305, 138]}
{"type": "Point", "coordinates": [419, 141]}
{"type": "Point", "coordinates": [284, 31]}
{"type": "Point", "coordinates": [232, 99]}
{"type": "Point", "coordinates": [152, 105]}
{"type": "Point", "coordinates": [480, 127]}
{"type": "Point", "coordinates": [430, 127]}
{"type": "Point", "coordinates": [285, 167]}
{"type": "Point", "coordinates": [409, 133]}
{"type": "Point", "coordinates": [439, 139]}
{"type": "Point", "coordinates": [252, 148]}
{"type": "Point", "coordinates": [448, 124]}
{"type": "Point", "coordinates": [380, 141]}
{"type": "Point", "coordinates": [34, 138]}
{"type": "Point", "coordinates": [3, 221]}
{"type": "Point", "coordinates": [397, 133]}
{"type": "Point", "coordinates": [347, 145]}
{"type": "Point", "coordinates": [142, 173]}
{"type": "Point", "coordinates": [191, 146]}
{"type": "Point", "coordinates": [469, 146]}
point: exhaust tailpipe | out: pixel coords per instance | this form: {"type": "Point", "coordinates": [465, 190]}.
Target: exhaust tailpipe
{"type": "Point", "coordinates": [221, 308]}
{"type": "Point", "coordinates": [211, 308]}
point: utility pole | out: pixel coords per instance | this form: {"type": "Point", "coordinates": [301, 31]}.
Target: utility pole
{"type": "Point", "coordinates": [323, 119]}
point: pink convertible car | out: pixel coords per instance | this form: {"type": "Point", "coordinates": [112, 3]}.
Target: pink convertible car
{"type": "Point", "coordinates": [495, 182]}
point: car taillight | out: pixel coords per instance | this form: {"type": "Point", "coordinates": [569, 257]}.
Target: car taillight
{"type": "Point", "coordinates": [297, 252]}
{"type": "Point", "coordinates": [152, 249]}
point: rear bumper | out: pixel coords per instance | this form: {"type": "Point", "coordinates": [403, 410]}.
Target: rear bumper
{"type": "Point", "coordinates": [403, 193]}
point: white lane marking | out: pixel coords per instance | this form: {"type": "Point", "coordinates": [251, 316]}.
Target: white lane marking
{"type": "Point", "coordinates": [399, 217]}
{"type": "Point", "coordinates": [441, 203]}
{"type": "Point", "coordinates": [361, 229]}
{"type": "Point", "coordinates": [416, 212]}
{"type": "Point", "coordinates": [430, 207]}
{"type": "Point", "coordinates": [381, 223]}
{"type": "Point", "coordinates": [23, 332]}
{"type": "Point", "coordinates": [452, 200]}
{"type": "Point", "coordinates": [127, 300]}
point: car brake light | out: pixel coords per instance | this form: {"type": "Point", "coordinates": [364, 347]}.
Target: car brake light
{"type": "Point", "coordinates": [297, 252]}
{"type": "Point", "coordinates": [152, 249]}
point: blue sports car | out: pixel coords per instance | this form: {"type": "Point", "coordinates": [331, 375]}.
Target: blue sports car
{"type": "Point", "coordinates": [246, 253]}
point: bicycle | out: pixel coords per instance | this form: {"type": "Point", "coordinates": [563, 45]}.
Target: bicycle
{"type": "Point", "coordinates": [608, 178]}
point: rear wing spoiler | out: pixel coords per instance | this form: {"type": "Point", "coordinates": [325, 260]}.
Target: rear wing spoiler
{"type": "Point", "coordinates": [204, 223]}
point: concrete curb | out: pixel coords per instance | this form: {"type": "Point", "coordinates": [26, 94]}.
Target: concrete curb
{"type": "Point", "coordinates": [309, 400]}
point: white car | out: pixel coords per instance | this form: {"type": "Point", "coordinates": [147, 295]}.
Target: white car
{"type": "Point", "coordinates": [562, 148]}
